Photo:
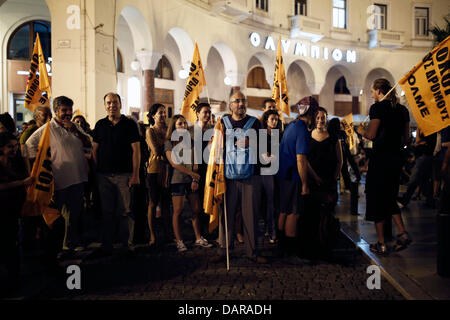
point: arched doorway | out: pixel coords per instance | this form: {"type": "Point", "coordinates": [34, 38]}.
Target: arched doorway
{"type": "Point", "coordinates": [338, 102]}
{"type": "Point", "coordinates": [19, 51]}
{"type": "Point", "coordinates": [259, 80]}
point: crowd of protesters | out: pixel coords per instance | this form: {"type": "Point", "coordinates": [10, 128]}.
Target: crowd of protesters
{"type": "Point", "coordinates": [294, 191]}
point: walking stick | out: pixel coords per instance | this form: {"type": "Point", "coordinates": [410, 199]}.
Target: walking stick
{"type": "Point", "coordinates": [226, 229]}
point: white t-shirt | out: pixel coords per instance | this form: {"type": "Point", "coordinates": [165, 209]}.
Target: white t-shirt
{"type": "Point", "coordinates": [69, 164]}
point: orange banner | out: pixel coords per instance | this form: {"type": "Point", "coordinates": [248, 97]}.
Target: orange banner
{"type": "Point", "coordinates": [194, 87]}
{"type": "Point", "coordinates": [279, 89]}
{"type": "Point", "coordinates": [427, 89]}
{"type": "Point", "coordinates": [347, 123]}
{"type": "Point", "coordinates": [37, 85]}
{"type": "Point", "coordinates": [215, 179]}
{"type": "Point", "coordinates": [40, 193]}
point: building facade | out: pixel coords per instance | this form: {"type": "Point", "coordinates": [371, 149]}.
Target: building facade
{"type": "Point", "coordinates": [332, 49]}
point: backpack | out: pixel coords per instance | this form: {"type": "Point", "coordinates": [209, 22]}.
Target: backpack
{"type": "Point", "coordinates": [238, 160]}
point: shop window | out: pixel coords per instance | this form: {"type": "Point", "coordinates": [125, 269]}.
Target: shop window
{"type": "Point", "coordinates": [257, 79]}
{"type": "Point", "coordinates": [21, 43]}
{"type": "Point", "coordinates": [340, 14]}
{"type": "Point", "coordinates": [380, 16]}
{"type": "Point", "coordinates": [300, 7]}
{"type": "Point", "coordinates": [341, 87]}
{"type": "Point", "coordinates": [262, 5]}
{"type": "Point", "coordinates": [164, 69]}
{"type": "Point", "coordinates": [421, 21]}
{"type": "Point", "coordinates": [119, 62]}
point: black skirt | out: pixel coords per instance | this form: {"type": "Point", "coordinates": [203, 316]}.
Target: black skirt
{"type": "Point", "coordinates": [382, 186]}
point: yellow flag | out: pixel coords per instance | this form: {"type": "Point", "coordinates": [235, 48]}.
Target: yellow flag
{"type": "Point", "coordinates": [37, 84]}
{"type": "Point", "coordinates": [427, 89]}
{"type": "Point", "coordinates": [215, 179]}
{"type": "Point", "coordinates": [40, 193]}
{"type": "Point", "coordinates": [279, 90]}
{"type": "Point", "coordinates": [347, 122]}
{"type": "Point", "coordinates": [194, 87]}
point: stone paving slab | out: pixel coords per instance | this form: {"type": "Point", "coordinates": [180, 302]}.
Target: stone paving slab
{"type": "Point", "coordinates": [169, 275]}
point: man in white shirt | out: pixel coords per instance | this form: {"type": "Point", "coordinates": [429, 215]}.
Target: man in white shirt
{"type": "Point", "coordinates": [69, 166]}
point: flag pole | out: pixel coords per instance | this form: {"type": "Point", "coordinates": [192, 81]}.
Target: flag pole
{"type": "Point", "coordinates": [207, 95]}
{"type": "Point", "coordinates": [226, 229]}
{"type": "Point", "coordinates": [387, 94]}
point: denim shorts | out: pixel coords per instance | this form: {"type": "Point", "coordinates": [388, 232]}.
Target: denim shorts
{"type": "Point", "coordinates": [181, 189]}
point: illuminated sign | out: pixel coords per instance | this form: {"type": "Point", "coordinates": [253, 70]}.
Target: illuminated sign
{"type": "Point", "coordinates": [304, 49]}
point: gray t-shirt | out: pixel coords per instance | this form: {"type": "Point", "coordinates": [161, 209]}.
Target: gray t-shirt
{"type": "Point", "coordinates": [177, 176]}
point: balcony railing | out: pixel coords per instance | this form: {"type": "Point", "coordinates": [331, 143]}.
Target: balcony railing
{"type": "Point", "coordinates": [385, 38]}
{"type": "Point", "coordinates": [235, 9]}
{"type": "Point", "coordinates": [306, 28]}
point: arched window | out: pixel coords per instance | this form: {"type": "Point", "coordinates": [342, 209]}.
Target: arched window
{"type": "Point", "coordinates": [164, 69]}
{"type": "Point", "coordinates": [257, 79]}
{"type": "Point", "coordinates": [341, 86]}
{"type": "Point", "coordinates": [21, 42]}
{"type": "Point", "coordinates": [119, 62]}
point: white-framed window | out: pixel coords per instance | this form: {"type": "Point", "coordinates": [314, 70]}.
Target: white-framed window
{"type": "Point", "coordinates": [380, 16]}
{"type": "Point", "coordinates": [340, 14]}
{"type": "Point", "coordinates": [421, 21]}
{"type": "Point", "coordinates": [300, 7]}
{"type": "Point", "coordinates": [262, 5]}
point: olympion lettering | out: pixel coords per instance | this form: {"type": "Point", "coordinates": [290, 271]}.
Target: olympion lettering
{"type": "Point", "coordinates": [302, 49]}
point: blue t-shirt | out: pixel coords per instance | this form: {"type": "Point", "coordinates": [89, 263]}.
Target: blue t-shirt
{"type": "Point", "coordinates": [295, 141]}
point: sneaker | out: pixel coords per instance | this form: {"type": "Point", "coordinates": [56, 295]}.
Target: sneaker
{"type": "Point", "coordinates": [403, 240]}
{"type": "Point", "coordinates": [379, 248]}
{"type": "Point", "coordinates": [272, 240]}
{"type": "Point", "coordinates": [181, 247]}
{"type": "Point", "coordinates": [202, 242]}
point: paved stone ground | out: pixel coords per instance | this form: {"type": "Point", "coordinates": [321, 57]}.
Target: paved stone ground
{"type": "Point", "coordinates": [165, 274]}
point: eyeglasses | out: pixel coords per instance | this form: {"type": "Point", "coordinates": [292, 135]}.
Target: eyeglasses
{"type": "Point", "coordinates": [239, 101]}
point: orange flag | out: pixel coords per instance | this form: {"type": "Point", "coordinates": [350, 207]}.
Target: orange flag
{"type": "Point", "coordinates": [194, 87]}
{"type": "Point", "coordinates": [40, 193]}
{"type": "Point", "coordinates": [37, 85]}
{"type": "Point", "coordinates": [427, 89]}
{"type": "Point", "coordinates": [347, 122]}
{"type": "Point", "coordinates": [279, 89]}
{"type": "Point", "coordinates": [215, 179]}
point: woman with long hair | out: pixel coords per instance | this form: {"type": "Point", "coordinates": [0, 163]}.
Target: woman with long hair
{"type": "Point", "coordinates": [325, 157]}
{"type": "Point", "coordinates": [158, 192]}
{"type": "Point", "coordinates": [389, 130]}
{"type": "Point", "coordinates": [270, 121]}
{"type": "Point", "coordinates": [185, 180]}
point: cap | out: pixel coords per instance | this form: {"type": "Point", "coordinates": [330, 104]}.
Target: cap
{"type": "Point", "coordinates": [304, 104]}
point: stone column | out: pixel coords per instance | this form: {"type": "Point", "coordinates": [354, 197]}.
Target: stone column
{"type": "Point", "coordinates": [355, 92]}
{"type": "Point", "coordinates": [355, 105]}
{"type": "Point", "coordinates": [149, 61]}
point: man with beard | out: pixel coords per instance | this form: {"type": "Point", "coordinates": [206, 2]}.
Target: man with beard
{"type": "Point", "coordinates": [69, 167]}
